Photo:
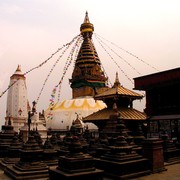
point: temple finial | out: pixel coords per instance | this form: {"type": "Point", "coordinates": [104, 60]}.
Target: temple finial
{"type": "Point", "coordinates": [117, 82]}
{"type": "Point", "coordinates": [18, 68]}
{"type": "Point", "coordinates": [86, 19]}
{"type": "Point", "coordinates": [86, 27]}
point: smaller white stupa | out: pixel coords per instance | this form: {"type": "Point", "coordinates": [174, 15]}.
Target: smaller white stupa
{"type": "Point", "coordinates": [17, 101]}
{"type": "Point", "coordinates": [36, 124]}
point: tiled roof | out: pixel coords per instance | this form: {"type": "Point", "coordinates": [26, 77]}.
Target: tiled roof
{"type": "Point", "coordinates": [125, 113]}
{"type": "Point", "coordinates": [121, 91]}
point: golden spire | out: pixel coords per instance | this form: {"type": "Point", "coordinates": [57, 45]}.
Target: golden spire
{"type": "Point", "coordinates": [87, 28]}
{"type": "Point", "coordinates": [18, 71]}
{"type": "Point", "coordinates": [86, 19]}
{"type": "Point", "coordinates": [117, 82]}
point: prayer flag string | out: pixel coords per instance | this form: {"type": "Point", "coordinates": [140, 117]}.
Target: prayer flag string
{"type": "Point", "coordinates": [54, 65]}
{"type": "Point", "coordinates": [108, 80]}
{"type": "Point", "coordinates": [67, 64]}
{"type": "Point", "coordinates": [131, 54]}
{"type": "Point", "coordinates": [36, 67]}
{"type": "Point", "coordinates": [116, 63]}
{"type": "Point", "coordinates": [118, 55]}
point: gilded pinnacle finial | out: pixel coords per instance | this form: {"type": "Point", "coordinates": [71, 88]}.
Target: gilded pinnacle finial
{"type": "Point", "coordinates": [18, 68]}
{"type": "Point", "coordinates": [117, 78]}
{"type": "Point", "coordinates": [86, 19]}
{"type": "Point", "coordinates": [86, 28]}
{"type": "Point", "coordinates": [117, 82]}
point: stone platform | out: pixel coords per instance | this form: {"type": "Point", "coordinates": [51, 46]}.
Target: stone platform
{"type": "Point", "coordinates": [171, 173]}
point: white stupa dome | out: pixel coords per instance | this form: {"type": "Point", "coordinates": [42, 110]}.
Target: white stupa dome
{"type": "Point", "coordinates": [65, 112]}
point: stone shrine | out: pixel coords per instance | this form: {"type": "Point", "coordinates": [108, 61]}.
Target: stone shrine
{"type": "Point", "coordinates": [125, 163]}
{"type": "Point", "coordinates": [6, 137]}
{"type": "Point", "coordinates": [75, 165]}
{"type": "Point", "coordinates": [30, 165]}
{"type": "Point", "coordinates": [13, 153]}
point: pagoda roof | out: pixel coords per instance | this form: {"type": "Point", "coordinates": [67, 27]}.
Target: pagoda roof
{"type": "Point", "coordinates": [119, 91]}
{"type": "Point", "coordinates": [125, 113]}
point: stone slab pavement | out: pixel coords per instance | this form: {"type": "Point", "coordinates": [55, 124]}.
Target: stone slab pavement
{"type": "Point", "coordinates": [3, 176]}
{"type": "Point", "coordinates": [172, 173]}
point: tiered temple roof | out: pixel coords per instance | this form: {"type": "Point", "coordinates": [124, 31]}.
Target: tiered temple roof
{"type": "Point", "coordinates": [126, 114]}
{"type": "Point", "coordinates": [87, 73]}
{"type": "Point", "coordinates": [119, 90]}
{"type": "Point", "coordinates": [124, 99]}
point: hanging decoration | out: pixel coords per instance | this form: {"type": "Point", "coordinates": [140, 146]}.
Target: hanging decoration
{"type": "Point", "coordinates": [54, 65]}
{"type": "Point", "coordinates": [69, 61]}
{"type": "Point", "coordinates": [131, 54]}
{"type": "Point", "coordinates": [67, 64]}
{"type": "Point", "coordinates": [77, 49]}
{"type": "Point", "coordinates": [98, 39]}
{"type": "Point", "coordinates": [109, 81]}
{"type": "Point", "coordinates": [9, 86]}
{"type": "Point", "coordinates": [40, 65]}
{"type": "Point", "coordinates": [51, 104]}
{"type": "Point", "coordinates": [116, 63]}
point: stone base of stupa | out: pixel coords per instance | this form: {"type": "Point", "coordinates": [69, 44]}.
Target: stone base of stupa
{"type": "Point", "coordinates": [50, 157]}
{"type": "Point", "coordinates": [8, 162]}
{"type": "Point", "coordinates": [96, 174]}
{"type": "Point", "coordinates": [76, 166]}
{"type": "Point", "coordinates": [31, 172]}
{"type": "Point", "coordinates": [123, 166]}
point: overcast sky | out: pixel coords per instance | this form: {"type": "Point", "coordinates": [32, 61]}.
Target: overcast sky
{"type": "Point", "coordinates": [31, 30]}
